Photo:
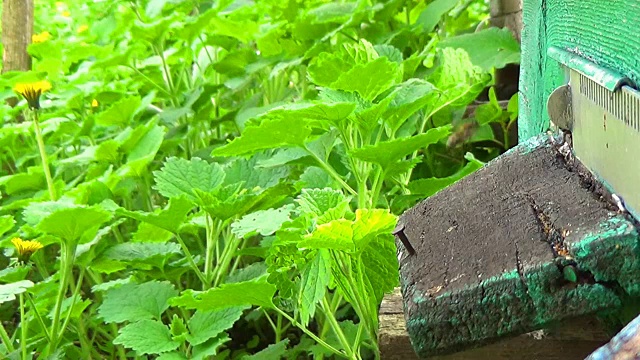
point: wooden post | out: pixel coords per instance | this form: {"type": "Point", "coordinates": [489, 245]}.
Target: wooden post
{"type": "Point", "coordinates": [17, 29]}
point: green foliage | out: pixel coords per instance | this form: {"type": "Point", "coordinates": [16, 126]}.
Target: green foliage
{"type": "Point", "coordinates": [217, 169]}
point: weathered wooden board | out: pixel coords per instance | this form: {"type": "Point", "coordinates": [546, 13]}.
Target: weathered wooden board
{"type": "Point", "coordinates": [493, 250]}
{"type": "Point", "coordinates": [573, 340]}
{"type": "Point", "coordinates": [602, 31]}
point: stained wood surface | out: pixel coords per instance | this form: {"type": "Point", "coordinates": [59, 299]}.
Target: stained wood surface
{"type": "Point", "coordinates": [575, 339]}
{"type": "Point", "coordinates": [602, 31]}
{"type": "Point", "coordinates": [491, 252]}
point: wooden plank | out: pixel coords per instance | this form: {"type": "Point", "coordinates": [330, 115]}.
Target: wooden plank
{"type": "Point", "coordinates": [573, 340]}
{"type": "Point", "coordinates": [602, 31]}
{"type": "Point", "coordinates": [492, 251]}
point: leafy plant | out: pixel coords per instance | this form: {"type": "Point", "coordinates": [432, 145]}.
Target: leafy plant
{"type": "Point", "coordinates": [220, 179]}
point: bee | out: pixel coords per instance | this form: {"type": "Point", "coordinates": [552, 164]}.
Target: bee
{"type": "Point", "coordinates": [462, 133]}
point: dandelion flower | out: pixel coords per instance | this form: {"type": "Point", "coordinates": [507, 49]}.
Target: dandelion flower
{"type": "Point", "coordinates": [42, 37]}
{"type": "Point", "coordinates": [94, 103]}
{"type": "Point", "coordinates": [26, 248]}
{"type": "Point", "coordinates": [66, 14]}
{"type": "Point", "coordinates": [32, 91]}
{"type": "Point", "coordinates": [82, 28]}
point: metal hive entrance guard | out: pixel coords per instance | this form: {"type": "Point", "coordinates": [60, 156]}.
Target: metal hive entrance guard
{"type": "Point", "coordinates": [546, 233]}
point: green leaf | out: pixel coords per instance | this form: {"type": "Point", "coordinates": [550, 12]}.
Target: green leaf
{"type": "Point", "coordinates": [387, 152]}
{"type": "Point", "coordinates": [273, 351]}
{"type": "Point", "coordinates": [6, 223]}
{"type": "Point", "coordinates": [146, 252]}
{"type": "Point", "coordinates": [174, 355]}
{"type": "Point", "coordinates": [248, 173]}
{"type": "Point", "coordinates": [120, 113]}
{"type": "Point", "coordinates": [370, 223]}
{"type": "Point", "coordinates": [263, 222]}
{"type": "Point", "coordinates": [180, 177]}
{"type": "Point", "coordinates": [368, 80]}
{"type": "Point", "coordinates": [71, 223]}
{"type": "Point", "coordinates": [256, 292]}
{"type": "Point", "coordinates": [334, 235]}
{"type": "Point", "coordinates": [326, 204]}
{"type": "Point", "coordinates": [407, 98]}
{"type": "Point", "coordinates": [146, 337]}
{"type": "Point", "coordinates": [8, 292]}
{"type": "Point", "coordinates": [170, 218]}
{"type": "Point", "coordinates": [430, 186]}
{"type": "Point", "coordinates": [431, 15]}
{"type": "Point", "coordinates": [381, 265]}
{"type": "Point", "coordinates": [489, 48]}
{"type": "Point", "coordinates": [14, 273]}
{"type": "Point", "coordinates": [457, 78]}
{"type": "Point", "coordinates": [210, 348]}
{"type": "Point", "coordinates": [314, 281]}
{"type": "Point", "coordinates": [208, 324]}
{"type": "Point", "coordinates": [269, 134]}
{"type": "Point", "coordinates": [132, 302]}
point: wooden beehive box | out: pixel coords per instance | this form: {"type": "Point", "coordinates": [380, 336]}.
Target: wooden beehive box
{"type": "Point", "coordinates": [530, 256]}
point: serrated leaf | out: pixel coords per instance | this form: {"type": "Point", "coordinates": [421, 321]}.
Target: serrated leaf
{"type": "Point", "coordinates": [489, 48]}
{"type": "Point", "coordinates": [334, 235]}
{"type": "Point", "coordinates": [248, 173]}
{"type": "Point", "coordinates": [256, 292]}
{"type": "Point", "coordinates": [314, 280]}
{"type": "Point", "coordinates": [458, 80]}
{"type": "Point", "coordinates": [132, 302]}
{"type": "Point", "coordinates": [180, 177]}
{"type": "Point", "coordinates": [170, 218]}
{"type": "Point", "coordinates": [368, 80]}
{"type": "Point", "coordinates": [174, 355]}
{"type": "Point", "coordinates": [208, 324]}
{"type": "Point", "coordinates": [381, 265]}
{"type": "Point", "coordinates": [70, 224]}
{"type": "Point", "coordinates": [408, 98]}
{"type": "Point", "coordinates": [370, 223]}
{"type": "Point", "coordinates": [269, 134]}
{"type": "Point", "coordinates": [8, 292]}
{"type": "Point", "coordinates": [209, 348]}
{"type": "Point", "coordinates": [120, 113]}
{"type": "Point", "coordinates": [142, 252]}
{"type": "Point", "coordinates": [387, 152]}
{"type": "Point", "coordinates": [14, 273]}
{"type": "Point", "coordinates": [263, 222]}
{"type": "Point", "coordinates": [326, 204]}
{"type": "Point", "coordinates": [146, 337]}
{"type": "Point", "coordinates": [273, 351]}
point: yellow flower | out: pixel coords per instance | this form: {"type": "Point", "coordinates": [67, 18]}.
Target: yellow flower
{"type": "Point", "coordinates": [26, 248]}
{"type": "Point", "coordinates": [94, 103]}
{"type": "Point", "coordinates": [42, 37]}
{"type": "Point", "coordinates": [60, 4]}
{"type": "Point", "coordinates": [66, 14]}
{"type": "Point", "coordinates": [82, 29]}
{"type": "Point", "coordinates": [32, 91]}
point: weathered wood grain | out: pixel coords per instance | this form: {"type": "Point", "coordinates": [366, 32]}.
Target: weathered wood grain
{"type": "Point", "coordinates": [602, 31]}
{"type": "Point", "coordinates": [491, 251]}
{"type": "Point", "coordinates": [575, 339]}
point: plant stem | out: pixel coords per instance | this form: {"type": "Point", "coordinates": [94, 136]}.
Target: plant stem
{"type": "Point", "coordinates": [331, 172]}
{"type": "Point", "coordinates": [43, 157]}
{"type": "Point", "coordinates": [310, 334]}
{"type": "Point", "coordinates": [8, 344]}
{"type": "Point", "coordinates": [23, 328]}
{"type": "Point", "coordinates": [66, 265]}
{"type": "Point", "coordinates": [336, 327]}
{"type": "Point", "coordinates": [40, 320]}
{"type": "Point", "coordinates": [278, 328]}
{"type": "Point", "coordinates": [227, 254]}
{"type": "Point", "coordinates": [193, 264]}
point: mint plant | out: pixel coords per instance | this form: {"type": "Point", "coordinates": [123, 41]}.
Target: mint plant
{"type": "Point", "coordinates": [220, 179]}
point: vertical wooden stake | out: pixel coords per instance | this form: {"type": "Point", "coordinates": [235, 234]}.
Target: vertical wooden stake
{"type": "Point", "coordinates": [17, 29]}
